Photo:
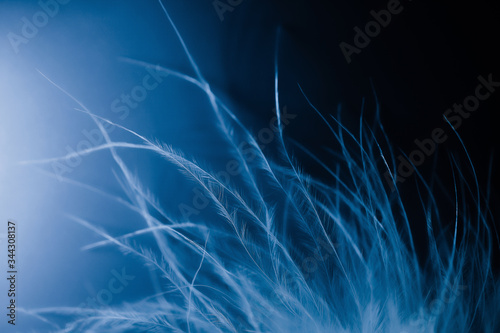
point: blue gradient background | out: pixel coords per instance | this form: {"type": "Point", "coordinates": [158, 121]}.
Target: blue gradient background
{"type": "Point", "coordinates": [82, 49]}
